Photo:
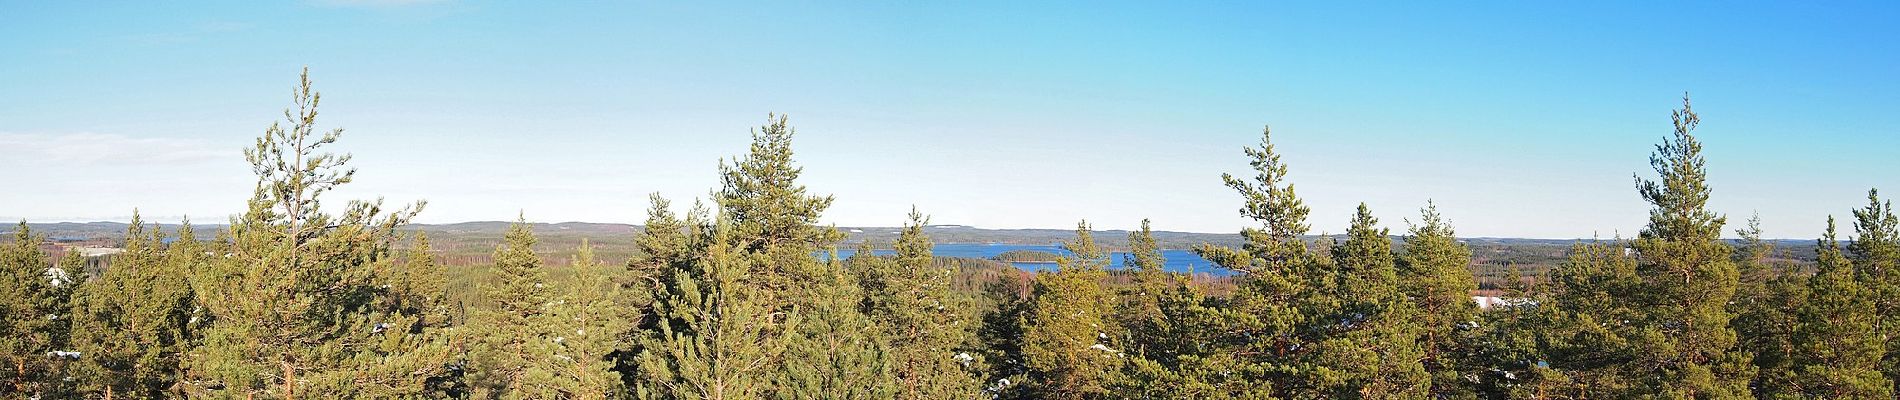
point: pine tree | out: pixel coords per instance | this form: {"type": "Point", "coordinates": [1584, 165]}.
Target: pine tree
{"type": "Point", "coordinates": [774, 223]}
{"type": "Point", "coordinates": [1138, 308]}
{"type": "Point", "coordinates": [1436, 275]}
{"type": "Point", "coordinates": [133, 322]}
{"type": "Point", "coordinates": [1510, 340]}
{"type": "Point", "coordinates": [772, 215]}
{"type": "Point", "coordinates": [1370, 343]}
{"type": "Point", "coordinates": [419, 285]}
{"type": "Point", "coordinates": [1065, 331]}
{"type": "Point", "coordinates": [835, 351]}
{"type": "Point", "coordinates": [33, 315]}
{"type": "Point", "coordinates": [1586, 334]}
{"type": "Point", "coordinates": [587, 327]}
{"type": "Point", "coordinates": [1837, 352]}
{"type": "Point", "coordinates": [664, 244]}
{"type": "Point", "coordinates": [514, 340]}
{"type": "Point", "coordinates": [922, 318]}
{"type": "Point", "coordinates": [1686, 346]}
{"type": "Point", "coordinates": [68, 278]}
{"type": "Point", "coordinates": [1164, 318]}
{"type": "Point", "coordinates": [1261, 326]}
{"type": "Point", "coordinates": [714, 338]}
{"type": "Point", "coordinates": [414, 350]}
{"type": "Point", "coordinates": [1766, 299]}
{"type": "Point", "coordinates": [1159, 328]}
{"type": "Point", "coordinates": [311, 325]}
{"type": "Point", "coordinates": [1182, 366]}
{"type": "Point", "coordinates": [1002, 334]}
{"type": "Point", "coordinates": [1876, 255]}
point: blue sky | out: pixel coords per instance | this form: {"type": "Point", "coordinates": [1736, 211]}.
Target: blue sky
{"type": "Point", "coordinates": [1520, 119]}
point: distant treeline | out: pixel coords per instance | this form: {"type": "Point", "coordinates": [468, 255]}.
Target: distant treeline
{"type": "Point", "coordinates": [731, 300]}
{"type": "Point", "coordinates": [1027, 256]}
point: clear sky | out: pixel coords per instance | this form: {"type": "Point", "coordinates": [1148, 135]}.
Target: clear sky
{"type": "Point", "coordinates": [1521, 119]}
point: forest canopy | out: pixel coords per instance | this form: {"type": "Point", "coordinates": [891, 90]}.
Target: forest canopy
{"type": "Point", "coordinates": [744, 296]}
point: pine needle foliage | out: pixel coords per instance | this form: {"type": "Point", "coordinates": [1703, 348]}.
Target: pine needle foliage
{"type": "Point", "coordinates": [133, 323]}
{"type": "Point", "coordinates": [926, 324]}
{"type": "Point", "coordinates": [33, 313]}
{"type": "Point", "coordinates": [1066, 344]}
{"type": "Point", "coordinates": [1685, 345]}
{"type": "Point", "coordinates": [313, 323]}
{"type": "Point", "coordinates": [1837, 352]}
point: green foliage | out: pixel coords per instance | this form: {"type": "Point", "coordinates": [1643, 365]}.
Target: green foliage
{"type": "Point", "coordinates": [1066, 348]}
{"type": "Point", "coordinates": [1138, 307]}
{"type": "Point", "coordinates": [1512, 340]}
{"type": "Point", "coordinates": [1876, 255]}
{"type": "Point", "coordinates": [925, 323]}
{"type": "Point", "coordinates": [715, 337]}
{"type": "Point", "coordinates": [1685, 346]}
{"type": "Point", "coordinates": [1027, 256]}
{"type": "Point", "coordinates": [771, 214]}
{"type": "Point", "coordinates": [415, 348]}
{"type": "Point", "coordinates": [747, 295]}
{"type": "Point", "coordinates": [34, 314]}
{"type": "Point", "coordinates": [749, 300]}
{"type": "Point", "coordinates": [1837, 352]}
{"type": "Point", "coordinates": [514, 339]}
{"type": "Point", "coordinates": [132, 323]}
{"type": "Point", "coordinates": [1765, 306]}
{"type": "Point", "coordinates": [1435, 275]}
{"type": "Point", "coordinates": [418, 286]}
{"type": "Point", "coordinates": [1261, 327]}
{"type": "Point", "coordinates": [1369, 341]}
{"type": "Point", "coordinates": [1587, 332]}
{"type": "Point", "coordinates": [1002, 334]}
{"type": "Point", "coordinates": [587, 326]}
{"type": "Point", "coordinates": [836, 351]}
{"type": "Point", "coordinates": [312, 323]}
{"type": "Point", "coordinates": [1163, 318]}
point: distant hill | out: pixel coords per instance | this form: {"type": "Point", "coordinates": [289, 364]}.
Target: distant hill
{"type": "Point", "coordinates": [469, 243]}
{"type": "Point", "coordinates": [875, 234]}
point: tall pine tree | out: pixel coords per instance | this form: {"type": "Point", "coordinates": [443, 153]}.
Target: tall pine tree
{"type": "Point", "coordinates": [1261, 328]}
{"type": "Point", "coordinates": [1686, 347]}
{"type": "Point", "coordinates": [514, 337]}
{"type": "Point", "coordinates": [1066, 345]}
{"type": "Point", "coordinates": [312, 323]}
{"type": "Point", "coordinates": [1369, 346]}
{"type": "Point", "coordinates": [1876, 255]}
{"type": "Point", "coordinates": [587, 326]}
{"type": "Point", "coordinates": [1139, 307]}
{"type": "Point", "coordinates": [1586, 334]}
{"type": "Point", "coordinates": [33, 314]}
{"type": "Point", "coordinates": [133, 322]}
{"type": "Point", "coordinates": [923, 319]}
{"type": "Point", "coordinates": [1165, 318]}
{"type": "Point", "coordinates": [1766, 301]}
{"type": "Point", "coordinates": [714, 337]}
{"type": "Point", "coordinates": [1436, 275]}
{"type": "Point", "coordinates": [1837, 352]}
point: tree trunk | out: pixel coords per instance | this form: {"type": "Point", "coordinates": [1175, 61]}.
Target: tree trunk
{"type": "Point", "coordinates": [290, 381]}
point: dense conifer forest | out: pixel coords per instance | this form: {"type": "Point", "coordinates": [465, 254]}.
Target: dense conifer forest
{"type": "Point", "coordinates": [745, 296]}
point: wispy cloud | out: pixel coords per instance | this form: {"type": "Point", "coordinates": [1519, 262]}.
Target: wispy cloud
{"type": "Point", "coordinates": [100, 148]}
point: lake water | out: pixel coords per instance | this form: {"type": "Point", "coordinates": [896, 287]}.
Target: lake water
{"type": "Point", "coordinates": [1177, 260]}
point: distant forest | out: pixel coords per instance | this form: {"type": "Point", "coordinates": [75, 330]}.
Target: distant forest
{"type": "Point", "coordinates": [736, 298]}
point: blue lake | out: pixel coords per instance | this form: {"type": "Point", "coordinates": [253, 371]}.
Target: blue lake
{"type": "Point", "coordinates": [1177, 260]}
